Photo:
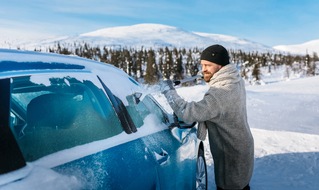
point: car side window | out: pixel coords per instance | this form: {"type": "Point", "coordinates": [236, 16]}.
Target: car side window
{"type": "Point", "coordinates": [152, 105]}
{"type": "Point", "coordinates": [142, 108]}
{"type": "Point", "coordinates": [52, 112]}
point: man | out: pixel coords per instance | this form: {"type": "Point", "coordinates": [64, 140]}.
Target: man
{"type": "Point", "coordinates": [222, 112]}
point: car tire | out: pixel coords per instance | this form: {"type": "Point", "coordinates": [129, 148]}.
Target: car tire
{"type": "Point", "coordinates": [201, 171]}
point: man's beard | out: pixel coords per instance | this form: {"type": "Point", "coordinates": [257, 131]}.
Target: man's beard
{"type": "Point", "coordinates": [207, 76]}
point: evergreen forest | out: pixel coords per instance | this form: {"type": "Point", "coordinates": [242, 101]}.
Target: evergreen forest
{"type": "Point", "coordinates": [149, 66]}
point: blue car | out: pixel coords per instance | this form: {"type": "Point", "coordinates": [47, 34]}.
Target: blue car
{"type": "Point", "coordinates": [73, 123]}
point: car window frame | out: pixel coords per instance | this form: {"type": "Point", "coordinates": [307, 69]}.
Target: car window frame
{"type": "Point", "coordinates": [11, 157]}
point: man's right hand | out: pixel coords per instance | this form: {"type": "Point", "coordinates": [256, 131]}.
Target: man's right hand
{"type": "Point", "coordinates": [166, 85]}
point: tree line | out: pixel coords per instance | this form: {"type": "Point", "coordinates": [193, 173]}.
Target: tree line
{"type": "Point", "coordinates": [149, 65]}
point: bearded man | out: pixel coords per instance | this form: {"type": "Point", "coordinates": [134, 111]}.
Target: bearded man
{"type": "Point", "coordinates": [222, 112]}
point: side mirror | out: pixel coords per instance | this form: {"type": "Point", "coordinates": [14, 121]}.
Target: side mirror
{"type": "Point", "coordinates": [183, 125]}
{"type": "Point", "coordinates": [180, 124]}
{"type": "Point", "coordinates": [137, 96]}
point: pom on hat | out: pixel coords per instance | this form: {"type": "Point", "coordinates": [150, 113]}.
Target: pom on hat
{"type": "Point", "coordinates": [216, 54]}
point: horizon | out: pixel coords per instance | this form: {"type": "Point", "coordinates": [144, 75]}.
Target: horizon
{"type": "Point", "coordinates": [271, 23]}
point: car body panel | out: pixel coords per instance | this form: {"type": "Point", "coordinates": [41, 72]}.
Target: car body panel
{"type": "Point", "coordinates": [149, 155]}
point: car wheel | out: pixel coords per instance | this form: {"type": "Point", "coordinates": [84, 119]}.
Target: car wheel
{"type": "Point", "coordinates": [201, 171]}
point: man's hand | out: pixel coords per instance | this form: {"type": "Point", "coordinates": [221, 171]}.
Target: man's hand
{"type": "Point", "coordinates": [166, 85]}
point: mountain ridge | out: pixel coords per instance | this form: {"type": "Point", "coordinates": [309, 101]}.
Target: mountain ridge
{"type": "Point", "coordinates": [150, 35]}
{"type": "Point", "coordinates": [304, 48]}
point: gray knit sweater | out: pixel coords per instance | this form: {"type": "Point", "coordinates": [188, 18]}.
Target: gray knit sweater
{"type": "Point", "coordinates": [223, 112]}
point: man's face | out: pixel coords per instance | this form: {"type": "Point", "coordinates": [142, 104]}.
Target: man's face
{"type": "Point", "coordinates": [209, 69]}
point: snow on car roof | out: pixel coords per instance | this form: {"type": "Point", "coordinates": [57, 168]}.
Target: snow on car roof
{"type": "Point", "coordinates": [13, 61]}
{"type": "Point", "coordinates": [41, 57]}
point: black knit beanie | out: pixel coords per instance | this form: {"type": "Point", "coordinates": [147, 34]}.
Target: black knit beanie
{"type": "Point", "coordinates": [216, 54]}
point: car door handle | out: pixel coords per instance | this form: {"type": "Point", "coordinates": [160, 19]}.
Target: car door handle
{"type": "Point", "coordinates": [161, 157]}
{"type": "Point", "coordinates": [181, 134]}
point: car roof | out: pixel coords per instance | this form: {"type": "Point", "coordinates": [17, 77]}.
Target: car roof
{"type": "Point", "coordinates": [20, 62]}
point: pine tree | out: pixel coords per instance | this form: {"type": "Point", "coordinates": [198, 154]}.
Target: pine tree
{"type": "Point", "coordinates": [189, 63]}
{"type": "Point", "coordinates": [177, 65]}
{"type": "Point", "coordinates": [256, 73]}
{"type": "Point", "coordinates": [139, 61]}
{"type": "Point", "coordinates": [115, 58]}
{"type": "Point", "coordinates": [151, 76]}
{"type": "Point", "coordinates": [104, 55]}
{"type": "Point", "coordinates": [168, 64]}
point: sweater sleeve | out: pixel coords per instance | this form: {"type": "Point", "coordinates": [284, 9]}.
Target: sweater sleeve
{"type": "Point", "coordinates": [206, 109]}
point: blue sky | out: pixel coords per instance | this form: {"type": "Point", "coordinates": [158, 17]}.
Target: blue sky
{"type": "Point", "coordinates": [270, 22]}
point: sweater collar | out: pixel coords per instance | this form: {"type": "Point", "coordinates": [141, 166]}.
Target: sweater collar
{"type": "Point", "coordinates": [228, 74]}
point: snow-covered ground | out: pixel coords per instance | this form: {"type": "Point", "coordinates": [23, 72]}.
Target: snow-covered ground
{"type": "Point", "coordinates": [284, 119]}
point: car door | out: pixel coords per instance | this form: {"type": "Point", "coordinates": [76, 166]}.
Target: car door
{"type": "Point", "coordinates": [174, 148]}
{"type": "Point", "coordinates": [66, 124]}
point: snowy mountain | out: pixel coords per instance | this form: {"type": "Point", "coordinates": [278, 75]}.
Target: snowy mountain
{"type": "Point", "coordinates": [307, 47]}
{"type": "Point", "coordinates": [157, 35]}
{"type": "Point", "coordinates": [152, 36]}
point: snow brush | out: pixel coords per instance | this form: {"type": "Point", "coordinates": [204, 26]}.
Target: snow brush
{"type": "Point", "coordinates": [178, 82]}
